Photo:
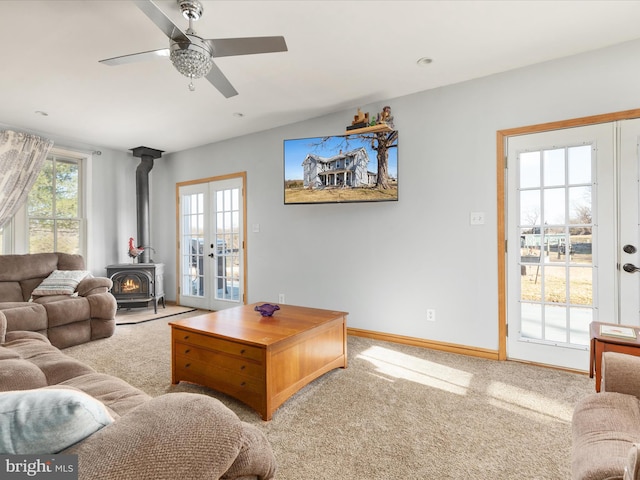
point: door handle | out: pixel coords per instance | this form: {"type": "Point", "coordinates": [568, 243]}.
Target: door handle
{"type": "Point", "coordinates": [629, 249]}
{"type": "Point", "coordinates": [211, 255]}
{"type": "Point", "coordinates": [630, 267]}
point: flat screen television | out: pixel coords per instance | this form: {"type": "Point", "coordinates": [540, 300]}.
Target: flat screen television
{"type": "Point", "coordinates": [360, 167]}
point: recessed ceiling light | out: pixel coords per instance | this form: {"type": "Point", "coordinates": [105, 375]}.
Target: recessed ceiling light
{"type": "Point", "coordinates": [41, 113]}
{"type": "Point", "coordinates": [424, 61]}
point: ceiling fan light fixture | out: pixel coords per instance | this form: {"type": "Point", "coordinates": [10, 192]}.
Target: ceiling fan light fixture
{"type": "Point", "coordinates": [193, 60]}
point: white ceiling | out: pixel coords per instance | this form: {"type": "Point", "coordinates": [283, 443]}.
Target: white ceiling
{"type": "Point", "coordinates": [342, 54]}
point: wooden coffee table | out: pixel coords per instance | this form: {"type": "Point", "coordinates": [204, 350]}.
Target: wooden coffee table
{"type": "Point", "coordinates": [261, 361]}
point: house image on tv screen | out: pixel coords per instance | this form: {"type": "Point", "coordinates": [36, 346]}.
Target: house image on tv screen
{"type": "Point", "coordinates": [347, 169]}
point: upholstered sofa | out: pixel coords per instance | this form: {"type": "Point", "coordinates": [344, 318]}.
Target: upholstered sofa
{"type": "Point", "coordinates": [66, 310]}
{"type": "Point", "coordinates": [51, 403]}
{"type": "Point", "coordinates": [606, 425]}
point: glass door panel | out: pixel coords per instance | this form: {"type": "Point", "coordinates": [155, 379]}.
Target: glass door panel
{"type": "Point", "coordinates": [192, 240]}
{"type": "Point", "coordinates": [228, 249]}
{"type": "Point", "coordinates": [552, 196]}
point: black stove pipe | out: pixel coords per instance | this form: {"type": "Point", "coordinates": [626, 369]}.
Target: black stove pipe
{"type": "Point", "coordinates": [146, 155]}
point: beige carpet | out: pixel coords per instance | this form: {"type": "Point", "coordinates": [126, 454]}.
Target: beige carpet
{"type": "Point", "coordinates": [139, 315]}
{"type": "Point", "coordinates": [396, 412]}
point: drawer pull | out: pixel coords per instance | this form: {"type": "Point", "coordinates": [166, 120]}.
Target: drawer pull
{"type": "Point", "coordinates": [243, 384]}
{"type": "Point", "coordinates": [187, 365]}
{"type": "Point", "coordinates": [242, 367]}
{"type": "Point", "coordinates": [187, 350]}
{"type": "Point", "coordinates": [242, 351]}
{"type": "Point", "coordinates": [186, 337]}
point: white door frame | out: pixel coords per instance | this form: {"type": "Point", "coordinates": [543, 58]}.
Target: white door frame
{"type": "Point", "coordinates": [239, 175]}
{"type": "Point", "coordinates": [501, 173]}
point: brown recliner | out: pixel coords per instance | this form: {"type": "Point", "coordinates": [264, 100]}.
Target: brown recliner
{"type": "Point", "coordinates": [606, 425]}
{"type": "Point", "coordinates": [87, 314]}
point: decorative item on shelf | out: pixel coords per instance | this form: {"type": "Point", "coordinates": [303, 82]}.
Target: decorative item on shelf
{"type": "Point", "coordinates": [266, 309]}
{"type": "Point", "coordinates": [361, 120]}
{"type": "Point", "coordinates": [362, 123]}
{"type": "Point", "coordinates": [385, 117]}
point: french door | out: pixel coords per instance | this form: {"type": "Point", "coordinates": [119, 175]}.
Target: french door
{"type": "Point", "coordinates": [212, 244]}
{"type": "Point", "coordinates": [572, 219]}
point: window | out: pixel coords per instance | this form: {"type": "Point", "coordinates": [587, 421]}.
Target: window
{"type": "Point", "coordinates": [54, 208]}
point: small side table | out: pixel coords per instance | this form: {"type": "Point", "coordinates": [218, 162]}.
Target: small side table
{"type": "Point", "coordinates": [608, 343]}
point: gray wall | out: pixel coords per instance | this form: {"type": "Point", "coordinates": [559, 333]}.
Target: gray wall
{"type": "Point", "coordinates": [422, 252]}
{"type": "Point", "coordinates": [112, 219]}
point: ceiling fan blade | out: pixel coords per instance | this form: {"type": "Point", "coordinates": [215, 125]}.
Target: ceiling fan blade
{"type": "Point", "coordinates": [163, 22]}
{"type": "Point", "coordinates": [137, 57]}
{"type": "Point", "coordinates": [218, 80]}
{"type": "Point", "coordinates": [229, 47]}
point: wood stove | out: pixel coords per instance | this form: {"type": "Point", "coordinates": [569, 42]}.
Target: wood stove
{"type": "Point", "coordinates": [137, 284]}
{"type": "Point", "coordinates": [140, 283]}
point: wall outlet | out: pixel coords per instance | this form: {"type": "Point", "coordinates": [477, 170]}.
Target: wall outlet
{"type": "Point", "coordinates": [476, 218]}
{"type": "Point", "coordinates": [281, 298]}
{"type": "Point", "coordinates": [431, 315]}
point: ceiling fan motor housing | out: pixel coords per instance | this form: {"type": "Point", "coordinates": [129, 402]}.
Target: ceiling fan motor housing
{"type": "Point", "coordinates": [191, 9]}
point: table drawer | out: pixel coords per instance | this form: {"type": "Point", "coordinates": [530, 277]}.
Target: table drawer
{"type": "Point", "coordinates": [243, 366]}
{"type": "Point", "coordinates": [216, 377]}
{"type": "Point", "coordinates": [226, 346]}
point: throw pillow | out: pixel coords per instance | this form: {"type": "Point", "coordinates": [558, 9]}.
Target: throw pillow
{"type": "Point", "coordinates": [60, 282]}
{"type": "Point", "coordinates": [47, 420]}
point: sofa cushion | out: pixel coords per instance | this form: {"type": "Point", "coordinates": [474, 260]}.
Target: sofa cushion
{"type": "Point", "coordinates": [197, 438]}
{"type": "Point", "coordinates": [11, 292]}
{"type": "Point", "coordinates": [45, 421]}
{"type": "Point", "coordinates": [24, 316]}
{"type": "Point", "coordinates": [36, 350]}
{"type": "Point", "coordinates": [60, 282]}
{"type": "Point", "coordinates": [69, 310]}
{"type": "Point", "coordinates": [605, 426]}
{"type": "Point", "coordinates": [115, 393]}
{"type": "Point", "coordinates": [93, 285]}
{"type": "Point", "coordinates": [18, 374]}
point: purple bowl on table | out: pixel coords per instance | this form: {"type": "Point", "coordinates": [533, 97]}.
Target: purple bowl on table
{"type": "Point", "coordinates": [266, 309]}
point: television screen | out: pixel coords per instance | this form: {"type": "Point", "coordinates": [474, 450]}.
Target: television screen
{"type": "Point", "coordinates": [360, 167]}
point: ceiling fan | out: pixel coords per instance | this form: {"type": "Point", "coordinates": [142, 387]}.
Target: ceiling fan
{"type": "Point", "coordinates": [192, 55]}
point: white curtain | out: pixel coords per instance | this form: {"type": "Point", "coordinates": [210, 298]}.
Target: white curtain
{"type": "Point", "coordinates": [21, 159]}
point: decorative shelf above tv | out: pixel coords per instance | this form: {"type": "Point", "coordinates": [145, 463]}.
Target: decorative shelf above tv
{"type": "Point", "coordinates": [383, 127]}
